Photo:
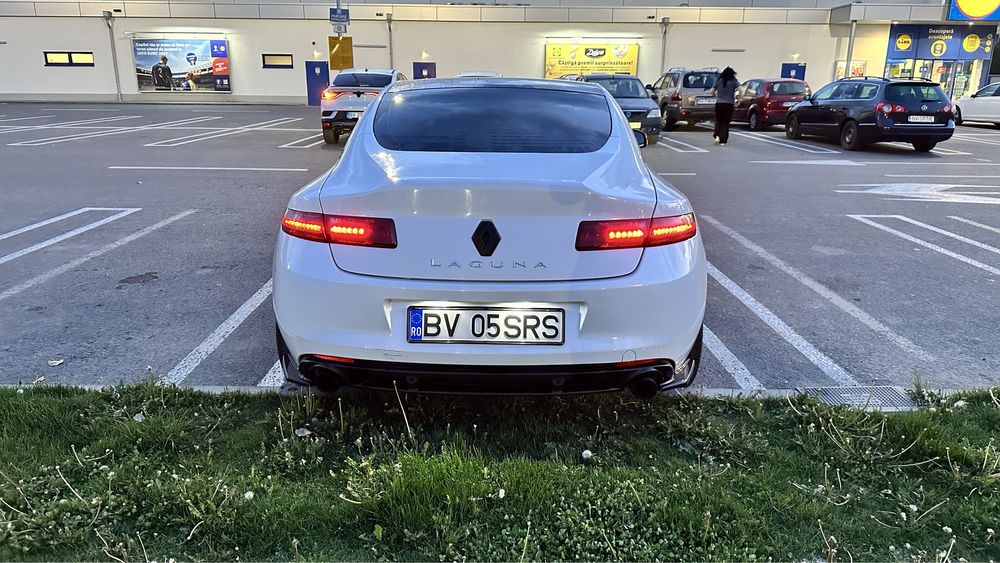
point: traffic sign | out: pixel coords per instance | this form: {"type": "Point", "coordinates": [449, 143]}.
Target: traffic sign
{"type": "Point", "coordinates": [340, 15]}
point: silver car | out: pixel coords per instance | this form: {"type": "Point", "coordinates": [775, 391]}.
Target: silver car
{"type": "Point", "coordinates": [349, 95]}
{"type": "Point", "coordinates": [685, 95]}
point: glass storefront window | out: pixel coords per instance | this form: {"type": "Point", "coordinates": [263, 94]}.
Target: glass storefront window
{"type": "Point", "coordinates": [899, 69]}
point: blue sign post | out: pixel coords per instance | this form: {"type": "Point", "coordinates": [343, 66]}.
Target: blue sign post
{"type": "Point", "coordinates": [340, 15]}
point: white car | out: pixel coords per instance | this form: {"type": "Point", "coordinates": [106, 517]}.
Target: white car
{"type": "Point", "coordinates": [984, 105]}
{"type": "Point", "coordinates": [500, 236]}
{"type": "Point", "coordinates": [353, 89]}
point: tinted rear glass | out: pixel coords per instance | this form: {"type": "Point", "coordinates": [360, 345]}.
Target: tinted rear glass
{"type": "Point", "coordinates": [493, 120]}
{"type": "Point", "coordinates": [703, 80]}
{"type": "Point", "coordinates": [915, 93]}
{"type": "Point", "coordinates": [788, 88]}
{"type": "Point", "coordinates": [362, 80]}
{"type": "Point", "coordinates": [621, 86]}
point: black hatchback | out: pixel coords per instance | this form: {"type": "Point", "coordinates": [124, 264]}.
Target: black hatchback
{"type": "Point", "coordinates": [863, 110]}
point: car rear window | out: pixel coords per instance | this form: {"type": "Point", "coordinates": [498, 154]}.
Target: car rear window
{"type": "Point", "coordinates": [788, 88]}
{"type": "Point", "coordinates": [904, 93]}
{"type": "Point", "coordinates": [703, 80]}
{"type": "Point", "coordinates": [362, 80]}
{"type": "Point", "coordinates": [491, 119]}
{"type": "Point", "coordinates": [622, 86]}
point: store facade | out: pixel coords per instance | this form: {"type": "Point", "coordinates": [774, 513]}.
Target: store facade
{"type": "Point", "coordinates": [955, 55]}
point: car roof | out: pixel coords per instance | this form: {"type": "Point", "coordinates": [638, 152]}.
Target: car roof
{"type": "Point", "coordinates": [608, 74]}
{"type": "Point", "coordinates": [470, 82]}
{"type": "Point", "coordinates": [368, 71]}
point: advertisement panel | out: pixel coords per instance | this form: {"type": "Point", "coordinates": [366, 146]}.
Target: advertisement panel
{"type": "Point", "coordinates": [579, 58]}
{"type": "Point", "coordinates": [181, 65]}
{"type": "Point", "coordinates": [974, 10]}
{"type": "Point", "coordinates": [953, 42]}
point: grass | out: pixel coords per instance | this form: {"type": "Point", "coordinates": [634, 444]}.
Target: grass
{"type": "Point", "coordinates": [144, 473]}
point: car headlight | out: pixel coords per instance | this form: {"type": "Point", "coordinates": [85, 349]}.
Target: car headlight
{"type": "Point", "coordinates": [653, 113]}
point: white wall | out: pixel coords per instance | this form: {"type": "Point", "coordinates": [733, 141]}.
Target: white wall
{"type": "Point", "coordinates": [514, 49]}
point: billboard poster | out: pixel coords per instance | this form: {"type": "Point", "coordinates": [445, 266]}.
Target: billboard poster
{"type": "Point", "coordinates": [181, 65]}
{"type": "Point", "coordinates": [941, 41]}
{"type": "Point", "coordinates": [974, 10]}
{"type": "Point", "coordinates": [580, 58]}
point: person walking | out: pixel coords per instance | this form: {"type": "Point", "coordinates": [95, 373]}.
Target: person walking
{"type": "Point", "coordinates": [725, 98]}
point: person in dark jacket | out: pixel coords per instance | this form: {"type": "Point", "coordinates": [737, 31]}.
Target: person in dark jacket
{"type": "Point", "coordinates": [163, 77]}
{"type": "Point", "coordinates": [725, 99]}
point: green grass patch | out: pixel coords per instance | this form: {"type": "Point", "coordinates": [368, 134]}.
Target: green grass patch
{"type": "Point", "coordinates": [143, 473]}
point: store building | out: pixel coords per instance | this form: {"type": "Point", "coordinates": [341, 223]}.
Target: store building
{"type": "Point", "coordinates": [275, 51]}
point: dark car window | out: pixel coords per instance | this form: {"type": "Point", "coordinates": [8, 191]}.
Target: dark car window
{"type": "Point", "coordinates": [621, 86]}
{"type": "Point", "coordinates": [826, 92]}
{"type": "Point", "coordinates": [362, 80]}
{"type": "Point", "coordinates": [867, 92]}
{"type": "Point", "coordinates": [491, 119]}
{"type": "Point", "coordinates": [844, 91]}
{"type": "Point", "coordinates": [788, 88]}
{"type": "Point", "coordinates": [704, 80]}
{"type": "Point", "coordinates": [991, 90]}
{"type": "Point", "coordinates": [914, 93]}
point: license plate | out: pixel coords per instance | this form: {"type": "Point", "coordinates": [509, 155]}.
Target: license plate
{"type": "Point", "coordinates": [635, 125]}
{"type": "Point", "coordinates": [920, 119]}
{"type": "Point", "coordinates": [704, 101]}
{"type": "Point", "coordinates": [788, 104]}
{"type": "Point", "coordinates": [485, 325]}
{"type": "Point", "coordinates": [354, 115]}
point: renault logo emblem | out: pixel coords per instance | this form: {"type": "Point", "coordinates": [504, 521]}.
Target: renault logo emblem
{"type": "Point", "coordinates": [486, 238]}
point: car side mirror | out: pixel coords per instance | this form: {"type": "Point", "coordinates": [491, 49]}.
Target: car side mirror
{"type": "Point", "coordinates": [649, 86]}
{"type": "Point", "coordinates": [640, 138]}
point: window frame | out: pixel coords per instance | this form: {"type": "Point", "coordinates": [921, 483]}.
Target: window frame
{"type": "Point", "coordinates": [69, 58]}
{"type": "Point", "coordinates": [265, 64]}
{"type": "Point", "coordinates": [995, 92]}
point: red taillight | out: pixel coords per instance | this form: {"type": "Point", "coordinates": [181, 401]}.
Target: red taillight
{"type": "Point", "coordinates": [340, 229]}
{"type": "Point", "coordinates": [635, 233]}
{"type": "Point", "coordinates": [636, 363]}
{"type": "Point", "coordinates": [676, 97]}
{"type": "Point", "coordinates": [887, 108]}
{"type": "Point", "coordinates": [946, 108]}
{"type": "Point", "coordinates": [336, 359]}
{"type": "Point", "coordinates": [330, 95]}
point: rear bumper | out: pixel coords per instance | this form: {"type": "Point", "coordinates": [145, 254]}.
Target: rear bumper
{"type": "Point", "coordinates": [338, 120]}
{"type": "Point", "coordinates": [775, 116]}
{"type": "Point", "coordinates": [702, 113]}
{"type": "Point", "coordinates": [875, 132]}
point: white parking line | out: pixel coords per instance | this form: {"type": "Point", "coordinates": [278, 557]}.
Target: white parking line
{"type": "Point", "coordinates": [676, 173]}
{"type": "Point", "coordinates": [25, 118]}
{"type": "Point", "coordinates": [230, 111]}
{"type": "Point", "coordinates": [42, 278]}
{"type": "Point", "coordinates": [940, 231]}
{"type": "Point", "coordinates": [295, 144]}
{"type": "Point", "coordinates": [973, 139]}
{"type": "Point", "coordinates": [938, 176]}
{"type": "Point", "coordinates": [274, 377]}
{"type": "Point", "coordinates": [831, 162]}
{"type": "Point", "coordinates": [961, 257]}
{"type": "Point", "coordinates": [824, 292]}
{"type": "Point", "coordinates": [938, 150]}
{"type": "Point", "coordinates": [66, 235]}
{"type": "Point", "coordinates": [926, 163]}
{"type": "Point", "coordinates": [40, 224]}
{"type": "Point", "coordinates": [974, 223]}
{"type": "Point", "coordinates": [819, 359]}
{"type": "Point", "coordinates": [19, 128]}
{"type": "Point", "coordinates": [207, 168]}
{"type": "Point", "coordinates": [664, 142]}
{"type": "Point", "coordinates": [197, 137]}
{"type": "Point", "coordinates": [120, 131]}
{"type": "Point", "coordinates": [733, 365]}
{"type": "Point", "coordinates": [787, 144]}
{"type": "Point", "coordinates": [78, 109]}
{"type": "Point", "coordinates": [207, 346]}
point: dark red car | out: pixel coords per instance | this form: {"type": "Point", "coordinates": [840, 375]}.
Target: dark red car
{"type": "Point", "coordinates": [761, 102]}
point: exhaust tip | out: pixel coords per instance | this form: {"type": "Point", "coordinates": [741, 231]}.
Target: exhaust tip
{"type": "Point", "coordinates": [644, 387]}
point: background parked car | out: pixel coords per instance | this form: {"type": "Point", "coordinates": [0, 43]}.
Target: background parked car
{"type": "Point", "coordinates": [761, 102]}
{"type": "Point", "coordinates": [984, 105]}
{"type": "Point", "coordinates": [683, 95]}
{"type": "Point", "coordinates": [353, 89]}
{"type": "Point", "coordinates": [641, 111]}
{"type": "Point", "coordinates": [869, 110]}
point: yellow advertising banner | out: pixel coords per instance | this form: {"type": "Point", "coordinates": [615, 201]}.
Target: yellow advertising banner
{"type": "Point", "coordinates": [341, 52]}
{"type": "Point", "coordinates": [582, 58]}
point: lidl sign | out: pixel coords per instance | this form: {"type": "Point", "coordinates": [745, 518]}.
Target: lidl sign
{"type": "Point", "coordinates": [951, 42]}
{"type": "Point", "coordinates": [974, 10]}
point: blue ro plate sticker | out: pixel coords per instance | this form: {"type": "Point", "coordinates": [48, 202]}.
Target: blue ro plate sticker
{"type": "Point", "coordinates": [416, 324]}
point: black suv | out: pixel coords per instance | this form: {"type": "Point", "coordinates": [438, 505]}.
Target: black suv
{"type": "Point", "coordinates": [867, 109]}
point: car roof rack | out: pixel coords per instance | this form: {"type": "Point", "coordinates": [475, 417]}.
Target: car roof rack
{"type": "Point", "coordinates": [882, 78]}
{"type": "Point", "coordinates": [715, 68]}
{"type": "Point", "coordinates": [675, 68]}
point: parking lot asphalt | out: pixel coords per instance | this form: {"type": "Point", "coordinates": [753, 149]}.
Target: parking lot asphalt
{"type": "Point", "coordinates": [136, 242]}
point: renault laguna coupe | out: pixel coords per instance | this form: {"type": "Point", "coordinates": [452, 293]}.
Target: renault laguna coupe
{"type": "Point", "coordinates": [490, 236]}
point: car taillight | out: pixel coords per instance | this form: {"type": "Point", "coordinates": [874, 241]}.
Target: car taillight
{"type": "Point", "coordinates": [330, 95]}
{"type": "Point", "coordinates": [946, 108]}
{"type": "Point", "coordinates": [887, 108]}
{"type": "Point", "coordinates": [635, 233]}
{"type": "Point", "coordinates": [676, 97]}
{"type": "Point", "coordinates": [340, 229]}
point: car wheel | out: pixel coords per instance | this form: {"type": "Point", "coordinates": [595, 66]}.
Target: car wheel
{"type": "Point", "coordinates": [755, 122]}
{"type": "Point", "coordinates": [924, 146]}
{"type": "Point", "coordinates": [667, 122]}
{"type": "Point", "coordinates": [958, 115]}
{"type": "Point", "coordinates": [849, 136]}
{"type": "Point", "coordinates": [330, 136]}
{"type": "Point", "coordinates": [792, 130]}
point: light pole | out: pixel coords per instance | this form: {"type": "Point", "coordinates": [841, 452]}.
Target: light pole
{"type": "Point", "coordinates": [108, 17]}
{"type": "Point", "coordinates": [850, 49]}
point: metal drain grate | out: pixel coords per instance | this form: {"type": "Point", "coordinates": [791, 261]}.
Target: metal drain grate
{"type": "Point", "coordinates": [874, 397]}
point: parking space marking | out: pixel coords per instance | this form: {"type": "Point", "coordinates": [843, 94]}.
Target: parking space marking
{"type": "Point", "coordinates": [19, 128]}
{"type": "Point", "coordinates": [976, 224]}
{"type": "Point", "coordinates": [691, 148]}
{"type": "Point", "coordinates": [119, 131]}
{"type": "Point", "coordinates": [25, 118]}
{"type": "Point", "coordinates": [207, 346]}
{"type": "Point", "coordinates": [978, 139]}
{"type": "Point", "coordinates": [274, 376]}
{"type": "Point", "coordinates": [819, 359]}
{"type": "Point", "coordinates": [960, 257]}
{"type": "Point", "coordinates": [787, 144]}
{"type": "Point", "coordinates": [230, 111]}
{"type": "Point", "coordinates": [831, 162]}
{"type": "Point", "coordinates": [676, 173]}
{"type": "Point", "coordinates": [733, 365]}
{"type": "Point", "coordinates": [78, 109]}
{"type": "Point", "coordinates": [59, 238]}
{"type": "Point", "coordinates": [932, 228]}
{"type": "Point", "coordinates": [295, 144]}
{"type": "Point", "coordinates": [55, 219]}
{"type": "Point", "coordinates": [923, 192]}
{"type": "Point", "coordinates": [197, 137]}
{"type": "Point", "coordinates": [939, 176]}
{"type": "Point", "coordinates": [44, 277]}
{"type": "Point", "coordinates": [928, 163]}
{"type": "Point", "coordinates": [938, 150]}
{"type": "Point", "coordinates": [825, 292]}
{"type": "Point", "coordinates": [207, 168]}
